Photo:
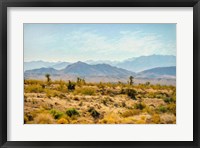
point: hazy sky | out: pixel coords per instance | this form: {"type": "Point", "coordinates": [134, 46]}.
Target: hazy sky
{"type": "Point", "coordinates": [81, 42]}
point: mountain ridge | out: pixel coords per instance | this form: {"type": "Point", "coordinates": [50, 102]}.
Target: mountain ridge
{"type": "Point", "coordinates": [83, 69]}
{"type": "Point", "coordinates": [134, 64]}
{"type": "Point", "coordinates": [147, 62]}
{"type": "Point", "coordinates": [158, 72]}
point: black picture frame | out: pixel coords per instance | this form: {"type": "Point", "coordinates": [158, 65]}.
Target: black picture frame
{"type": "Point", "coordinates": [4, 4]}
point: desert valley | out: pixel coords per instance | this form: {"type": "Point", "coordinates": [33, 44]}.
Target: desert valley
{"type": "Point", "coordinates": [138, 90]}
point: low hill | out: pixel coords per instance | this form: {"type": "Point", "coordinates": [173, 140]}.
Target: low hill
{"type": "Point", "coordinates": [159, 72]}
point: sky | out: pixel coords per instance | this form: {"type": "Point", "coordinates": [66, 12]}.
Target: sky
{"type": "Point", "coordinates": [82, 42]}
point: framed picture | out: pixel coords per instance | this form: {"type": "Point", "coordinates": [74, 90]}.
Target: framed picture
{"type": "Point", "coordinates": [99, 73]}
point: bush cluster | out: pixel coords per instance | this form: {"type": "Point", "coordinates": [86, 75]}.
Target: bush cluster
{"type": "Point", "coordinates": [72, 112]}
{"type": "Point", "coordinates": [95, 114]}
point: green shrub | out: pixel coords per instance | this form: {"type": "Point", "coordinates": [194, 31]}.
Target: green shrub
{"type": "Point", "coordinates": [71, 86]}
{"type": "Point", "coordinates": [151, 95]}
{"type": "Point", "coordinates": [72, 112]}
{"type": "Point", "coordinates": [131, 93]}
{"type": "Point", "coordinates": [168, 100]}
{"type": "Point", "coordinates": [94, 113]}
{"type": "Point", "coordinates": [159, 96]}
{"type": "Point", "coordinates": [139, 106]}
{"type": "Point", "coordinates": [162, 109]}
{"type": "Point", "coordinates": [56, 114]}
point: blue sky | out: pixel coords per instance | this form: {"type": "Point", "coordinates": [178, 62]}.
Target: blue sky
{"type": "Point", "coordinates": [82, 42]}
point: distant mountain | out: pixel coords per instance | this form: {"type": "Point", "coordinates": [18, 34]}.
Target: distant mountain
{"type": "Point", "coordinates": [37, 64]}
{"type": "Point", "coordinates": [84, 69]}
{"type": "Point", "coordinates": [92, 62]}
{"type": "Point", "coordinates": [159, 72]}
{"type": "Point", "coordinates": [105, 73]}
{"type": "Point", "coordinates": [135, 64]}
{"type": "Point", "coordinates": [42, 71]}
{"type": "Point", "coordinates": [60, 65]}
{"type": "Point", "coordinates": [130, 59]}
{"type": "Point", "coordinates": [42, 64]}
{"type": "Point", "coordinates": [147, 62]}
{"type": "Point", "coordinates": [96, 72]}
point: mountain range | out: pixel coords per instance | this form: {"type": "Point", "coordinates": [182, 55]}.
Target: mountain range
{"type": "Point", "coordinates": [43, 64]}
{"type": "Point", "coordinates": [147, 62]}
{"type": "Point", "coordinates": [102, 72]}
{"type": "Point", "coordinates": [134, 64]}
{"type": "Point", "coordinates": [82, 69]}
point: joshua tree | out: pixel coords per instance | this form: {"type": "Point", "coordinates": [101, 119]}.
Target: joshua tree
{"type": "Point", "coordinates": [131, 80]}
{"type": "Point", "coordinates": [80, 81]}
{"type": "Point", "coordinates": [147, 83]}
{"type": "Point", "coordinates": [83, 80]}
{"type": "Point", "coordinates": [48, 77]}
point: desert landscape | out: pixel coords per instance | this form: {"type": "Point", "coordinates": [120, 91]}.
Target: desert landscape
{"type": "Point", "coordinates": [99, 73]}
{"type": "Point", "coordinates": [59, 102]}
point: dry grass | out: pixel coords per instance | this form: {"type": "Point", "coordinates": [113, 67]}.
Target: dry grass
{"type": "Point", "coordinates": [43, 118]}
{"type": "Point", "coordinates": [98, 103]}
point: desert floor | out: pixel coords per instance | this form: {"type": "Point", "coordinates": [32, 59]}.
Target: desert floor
{"type": "Point", "coordinates": [59, 102]}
